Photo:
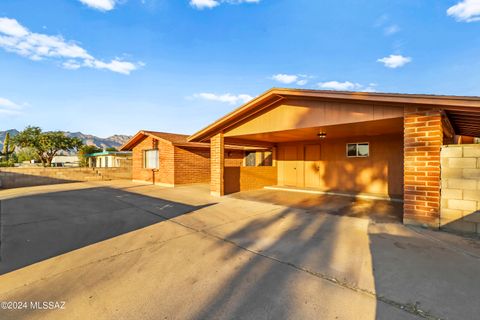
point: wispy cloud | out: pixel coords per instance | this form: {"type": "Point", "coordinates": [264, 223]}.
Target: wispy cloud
{"type": "Point", "coordinates": [299, 79]}
{"type": "Point", "coordinates": [37, 46]}
{"type": "Point", "coordinates": [394, 61]}
{"type": "Point", "coordinates": [224, 98]}
{"type": "Point", "coordinates": [385, 23]}
{"type": "Point", "coordinates": [102, 5]}
{"type": "Point", "coordinates": [391, 29]}
{"type": "Point", "coordinates": [209, 4]}
{"type": "Point", "coordinates": [465, 11]}
{"type": "Point", "coordinates": [8, 107]}
{"type": "Point", "coordinates": [347, 86]}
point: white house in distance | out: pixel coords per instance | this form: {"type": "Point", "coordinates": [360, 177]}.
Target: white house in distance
{"type": "Point", "coordinates": [109, 159]}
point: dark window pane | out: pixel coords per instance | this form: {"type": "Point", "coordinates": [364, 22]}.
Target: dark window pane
{"type": "Point", "coordinates": [352, 149]}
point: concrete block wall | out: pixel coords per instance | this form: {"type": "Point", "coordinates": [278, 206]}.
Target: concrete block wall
{"type": "Point", "coordinates": [35, 176]}
{"type": "Point", "coordinates": [460, 194]}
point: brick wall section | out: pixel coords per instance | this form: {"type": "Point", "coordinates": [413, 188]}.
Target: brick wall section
{"type": "Point", "coordinates": [460, 203]}
{"type": "Point", "coordinates": [249, 178]}
{"type": "Point", "coordinates": [192, 165]}
{"type": "Point", "coordinates": [423, 136]}
{"type": "Point", "coordinates": [217, 165]}
{"type": "Point", "coordinates": [165, 173]}
{"type": "Point", "coordinates": [234, 158]}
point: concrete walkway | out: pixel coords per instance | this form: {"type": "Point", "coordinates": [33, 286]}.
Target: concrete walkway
{"type": "Point", "coordinates": [120, 250]}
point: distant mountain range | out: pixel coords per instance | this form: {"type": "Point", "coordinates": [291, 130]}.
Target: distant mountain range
{"type": "Point", "coordinates": [114, 141]}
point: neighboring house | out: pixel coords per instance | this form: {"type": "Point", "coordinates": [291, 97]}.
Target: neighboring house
{"type": "Point", "coordinates": [65, 161]}
{"type": "Point", "coordinates": [109, 159]}
{"type": "Point", "coordinates": [348, 142]}
{"type": "Point", "coordinates": [167, 159]}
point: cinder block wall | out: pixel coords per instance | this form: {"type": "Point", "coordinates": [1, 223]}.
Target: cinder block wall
{"type": "Point", "coordinates": [36, 176]}
{"type": "Point", "coordinates": [460, 194]}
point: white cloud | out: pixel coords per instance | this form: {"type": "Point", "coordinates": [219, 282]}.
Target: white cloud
{"type": "Point", "coordinates": [299, 79]}
{"type": "Point", "coordinates": [209, 4]}
{"type": "Point", "coordinates": [36, 46]}
{"type": "Point", "coordinates": [102, 5]}
{"type": "Point", "coordinates": [388, 28]}
{"type": "Point", "coordinates": [395, 61]}
{"type": "Point", "coordinates": [347, 86]}
{"type": "Point", "coordinates": [225, 98]}
{"type": "Point", "coordinates": [7, 107]}
{"type": "Point", "coordinates": [336, 85]}
{"type": "Point", "coordinates": [465, 11]}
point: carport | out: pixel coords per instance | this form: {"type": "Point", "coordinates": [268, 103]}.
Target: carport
{"type": "Point", "coordinates": [373, 144]}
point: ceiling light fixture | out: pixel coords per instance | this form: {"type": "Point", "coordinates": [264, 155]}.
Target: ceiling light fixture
{"type": "Point", "coordinates": [322, 135]}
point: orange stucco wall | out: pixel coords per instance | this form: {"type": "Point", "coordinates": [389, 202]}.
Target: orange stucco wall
{"type": "Point", "coordinates": [380, 173]}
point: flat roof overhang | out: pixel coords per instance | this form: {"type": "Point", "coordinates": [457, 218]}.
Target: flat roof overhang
{"type": "Point", "coordinates": [451, 105]}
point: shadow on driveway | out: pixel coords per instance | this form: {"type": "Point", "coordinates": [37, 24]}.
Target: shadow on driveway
{"type": "Point", "coordinates": [41, 226]}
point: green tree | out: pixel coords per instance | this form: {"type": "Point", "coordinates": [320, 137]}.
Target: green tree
{"type": "Point", "coordinates": [46, 144]}
{"type": "Point", "coordinates": [111, 149]}
{"type": "Point", "coordinates": [8, 148]}
{"type": "Point", "coordinates": [86, 150]}
{"type": "Point", "coordinates": [27, 154]}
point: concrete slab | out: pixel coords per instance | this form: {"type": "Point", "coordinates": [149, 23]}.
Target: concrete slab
{"type": "Point", "coordinates": [235, 258]}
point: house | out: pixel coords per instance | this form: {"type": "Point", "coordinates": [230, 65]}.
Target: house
{"type": "Point", "coordinates": [385, 145]}
{"type": "Point", "coordinates": [109, 159]}
{"type": "Point", "coordinates": [65, 160]}
{"type": "Point", "coordinates": [168, 159]}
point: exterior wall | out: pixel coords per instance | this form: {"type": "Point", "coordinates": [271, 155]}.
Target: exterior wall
{"type": "Point", "coordinates": [217, 163]}
{"type": "Point", "coordinates": [380, 173]}
{"type": "Point", "coordinates": [423, 138]}
{"type": "Point", "coordinates": [249, 178]}
{"type": "Point", "coordinates": [234, 158]}
{"type": "Point", "coordinates": [165, 173]}
{"type": "Point", "coordinates": [35, 176]}
{"type": "Point", "coordinates": [304, 113]}
{"type": "Point", "coordinates": [460, 200]}
{"type": "Point", "coordinates": [192, 165]}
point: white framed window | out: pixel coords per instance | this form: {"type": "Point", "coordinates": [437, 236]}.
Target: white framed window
{"type": "Point", "coordinates": [358, 150]}
{"type": "Point", "coordinates": [150, 159]}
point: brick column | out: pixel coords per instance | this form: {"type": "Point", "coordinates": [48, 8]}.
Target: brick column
{"type": "Point", "coordinates": [217, 163]}
{"type": "Point", "coordinates": [423, 136]}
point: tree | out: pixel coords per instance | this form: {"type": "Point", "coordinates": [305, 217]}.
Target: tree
{"type": "Point", "coordinates": [8, 148]}
{"type": "Point", "coordinates": [111, 149]}
{"type": "Point", "coordinates": [86, 150]}
{"type": "Point", "coordinates": [27, 154]}
{"type": "Point", "coordinates": [46, 144]}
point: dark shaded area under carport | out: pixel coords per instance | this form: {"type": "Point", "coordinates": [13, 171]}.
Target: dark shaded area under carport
{"type": "Point", "coordinates": [41, 226]}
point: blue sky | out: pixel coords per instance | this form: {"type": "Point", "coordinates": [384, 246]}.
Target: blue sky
{"type": "Point", "coordinates": [114, 67]}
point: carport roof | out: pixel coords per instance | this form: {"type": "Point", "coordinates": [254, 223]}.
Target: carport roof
{"type": "Point", "coordinates": [275, 95]}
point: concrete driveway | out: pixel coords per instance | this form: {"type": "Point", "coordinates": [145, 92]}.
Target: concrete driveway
{"type": "Point", "coordinates": [128, 251]}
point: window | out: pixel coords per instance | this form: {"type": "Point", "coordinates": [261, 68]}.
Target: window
{"type": "Point", "coordinates": [106, 162]}
{"type": "Point", "coordinates": [150, 159]}
{"type": "Point", "coordinates": [358, 149]}
{"type": "Point", "coordinates": [258, 158]}
{"type": "Point", "coordinates": [250, 159]}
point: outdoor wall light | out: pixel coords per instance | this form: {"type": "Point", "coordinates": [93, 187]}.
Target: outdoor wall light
{"type": "Point", "coordinates": [322, 135]}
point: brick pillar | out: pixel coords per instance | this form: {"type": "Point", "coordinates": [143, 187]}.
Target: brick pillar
{"type": "Point", "coordinates": [423, 136]}
{"type": "Point", "coordinates": [217, 162]}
